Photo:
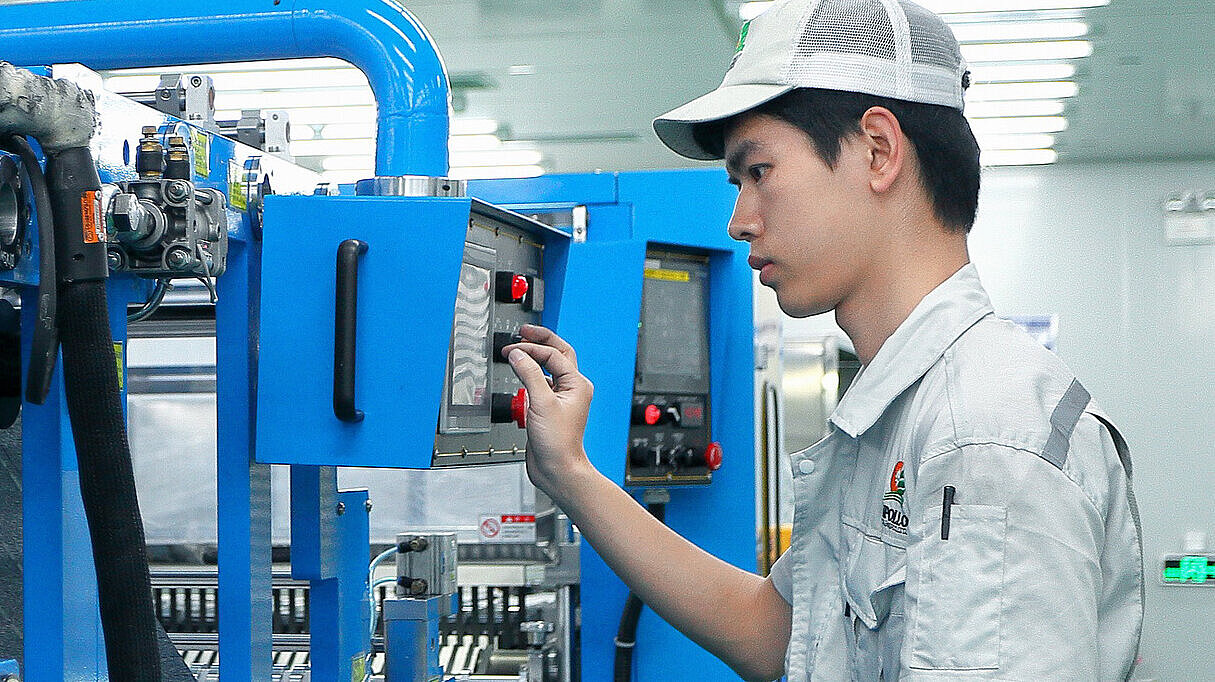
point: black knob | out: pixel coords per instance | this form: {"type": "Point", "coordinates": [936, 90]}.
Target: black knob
{"type": "Point", "coordinates": [502, 340]}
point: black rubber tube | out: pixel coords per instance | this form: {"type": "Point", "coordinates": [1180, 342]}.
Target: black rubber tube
{"type": "Point", "coordinates": [626, 632]}
{"type": "Point", "coordinates": [107, 484]}
{"type": "Point", "coordinates": [103, 455]}
{"type": "Point", "coordinates": [45, 337]}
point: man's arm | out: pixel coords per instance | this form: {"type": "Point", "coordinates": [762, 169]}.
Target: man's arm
{"type": "Point", "coordinates": [736, 615]}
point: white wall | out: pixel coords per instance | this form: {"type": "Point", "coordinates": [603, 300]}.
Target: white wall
{"type": "Point", "coordinates": [1137, 325]}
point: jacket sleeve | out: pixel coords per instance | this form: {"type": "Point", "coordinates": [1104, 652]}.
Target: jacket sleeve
{"type": "Point", "coordinates": [1004, 573]}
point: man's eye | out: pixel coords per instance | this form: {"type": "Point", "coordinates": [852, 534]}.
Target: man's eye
{"type": "Point", "coordinates": [758, 171]}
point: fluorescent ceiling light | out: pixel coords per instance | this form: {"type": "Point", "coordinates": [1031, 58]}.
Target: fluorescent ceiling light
{"type": "Point", "coordinates": [361, 146]}
{"type": "Point", "coordinates": [1029, 107]}
{"type": "Point", "coordinates": [473, 126]}
{"type": "Point", "coordinates": [1007, 73]}
{"type": "Point", "coordinates": [468, 143]}
{"type": "Point", "coordinates": [1024, 52]}
{"type": "Point", "coordinates": [993, 31]}
{"type": "Point", "coordinates": [493, 172]}
{"type": "Point", "coordinates": [295, 99]}
{"type": "Point", "coordinates": [1028, 124]}
{"type": "Point", "coordinates": [1016, 141]}
{"type": "Point", "coordinates": [963, 6]}
{"type": "Point", "coordinates": [1007, 91]}
{"type": "Point", "coordinates": [1018, 157]}
{"type": "Point", "coordinates": [338, 163]}
{"type": "Point", "coordinates": [497, 157]}
{"type": "Point", "coordinates": [347, 131]}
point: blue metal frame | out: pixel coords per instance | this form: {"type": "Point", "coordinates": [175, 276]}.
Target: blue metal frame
{"type": "Point", "coordinates": [627, 212]}
{"type": "Point", "coordinates": [406, 73]}
{"type": "Point", "coordinates": [380, 37]}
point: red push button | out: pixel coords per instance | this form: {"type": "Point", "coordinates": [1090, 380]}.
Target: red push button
{"type": "Point", "coordinates": [652, 414]}
{"type": "Point", "coordinates": [713, 456]}
{"type": "Point", "coordinates": [518, 410]}
{"type": "Point", "coordinates": [518, 287]}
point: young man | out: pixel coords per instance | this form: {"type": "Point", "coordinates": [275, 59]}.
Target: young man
{"type": "Point", "coordinates": [970, 514]}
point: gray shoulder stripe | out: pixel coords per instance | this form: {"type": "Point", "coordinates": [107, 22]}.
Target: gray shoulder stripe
{"type": "Point", "coordinates": [1063, 422]}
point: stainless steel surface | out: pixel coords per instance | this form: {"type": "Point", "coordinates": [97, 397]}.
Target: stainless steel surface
{"type": "Point", "coordinates": [410, 186]}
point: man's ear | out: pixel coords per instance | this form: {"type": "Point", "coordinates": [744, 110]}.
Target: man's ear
{"type": "Point", "coordinates": [885, 146]}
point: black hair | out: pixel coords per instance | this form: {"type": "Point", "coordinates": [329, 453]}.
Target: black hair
{"type": "Point", "coordinates": [944, 143]}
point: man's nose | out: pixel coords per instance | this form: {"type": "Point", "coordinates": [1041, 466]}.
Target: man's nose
{"type": "Point", "coordinates": [744, 223]}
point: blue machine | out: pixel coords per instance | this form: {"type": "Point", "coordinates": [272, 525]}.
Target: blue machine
{"type": "Point", "coordinates": [627, 217]}
{"type": "Point", "coordinates": [286, 394]}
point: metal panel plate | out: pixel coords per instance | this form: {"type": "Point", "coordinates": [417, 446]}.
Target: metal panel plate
{"type": "Point", "coordinates": [406, 293]}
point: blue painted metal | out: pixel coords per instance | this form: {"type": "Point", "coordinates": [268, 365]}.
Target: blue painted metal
{"type": "Point", "coordinates": [9, 667]}
{"type": "Point", "coordinates": [627, 211]}
{"type": "Point", "coordinates": [411, 639]}
{"type": "Point", "coordinates": [244, 599]}
{"type": "Point", "coordinates": [415, 247]}
{"type": "Point", "coordinates": [334, 560]}
{"type": "Point", "coordinates": [380, 37]}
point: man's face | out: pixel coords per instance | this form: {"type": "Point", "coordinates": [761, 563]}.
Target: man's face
{"type": "Point", "coordinates": [804, 220]}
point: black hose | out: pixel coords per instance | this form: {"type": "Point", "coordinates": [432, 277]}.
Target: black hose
{"type": "Point", "coordinates": [626, 632]}
{"type": "Point", "coordinates": [107, 479]}
{"type": "Point", "coordinates": [45, 346]}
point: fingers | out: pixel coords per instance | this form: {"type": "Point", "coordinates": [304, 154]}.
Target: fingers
{"type": "Point", "coordinates": [529, 372]}
{"type": "Point", "coordinates": [547, 337]}
{"type": "Point", "coordinates": [564, 371]}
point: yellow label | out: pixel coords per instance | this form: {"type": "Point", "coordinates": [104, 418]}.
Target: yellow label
{"type": "Point", "coordinates": [236, 187]}
{"type": "Point", "coordinates": [668, 275]}
{"type": "Point", "coordinates": [118, 360]}
{"type": "Point", "coordinates": [200, 147]}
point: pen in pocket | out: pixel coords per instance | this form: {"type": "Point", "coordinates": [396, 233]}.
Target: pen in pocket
{"type": "Point", "coordinates": [946, 505]}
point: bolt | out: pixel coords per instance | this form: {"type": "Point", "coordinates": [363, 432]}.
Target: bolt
{"type": "Point", "coordinates": [177, 190]}
{"type": "Point", "coordinates": [177, 259]}
{"type": "Point", "coordinates": [177, 141]}
{"type": "Point", "coordinates": [114, 259]}
{"type": "Point", "coordinates": [367, 506]}
{"type": "Point", "coordinates": [341, 508]}
{"type": "Point", "coordinates": [149, 131]}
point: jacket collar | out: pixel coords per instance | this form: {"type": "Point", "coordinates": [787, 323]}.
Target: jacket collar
{"type": "Point", "coordinates": [931, 328]}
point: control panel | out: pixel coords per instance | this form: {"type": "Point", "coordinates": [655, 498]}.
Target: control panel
{"type": "Point", "coordinates": [482, 417]}
{"type": "Point", "coordinates": [670, 439]}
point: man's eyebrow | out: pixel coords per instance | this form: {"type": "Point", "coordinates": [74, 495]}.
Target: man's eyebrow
{"type": "Point", "coordinates": [738, 156]}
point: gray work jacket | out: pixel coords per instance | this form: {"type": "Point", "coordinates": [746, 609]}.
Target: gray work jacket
{"type": "Point", "coordinates": [969, 515]}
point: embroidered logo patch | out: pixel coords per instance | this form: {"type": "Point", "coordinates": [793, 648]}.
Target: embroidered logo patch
{"type": "Point", "coordinates": [742, 41]}
{"type": "Point", "coordinates": [893, 516]}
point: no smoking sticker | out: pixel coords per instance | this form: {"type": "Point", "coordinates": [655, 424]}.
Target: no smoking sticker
{"type": "Point", "coordinates": [508, 528]}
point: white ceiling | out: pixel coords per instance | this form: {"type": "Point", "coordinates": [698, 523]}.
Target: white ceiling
{"type": "Point", "coordinates": [604, 68]}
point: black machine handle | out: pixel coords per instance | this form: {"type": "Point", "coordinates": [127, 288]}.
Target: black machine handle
{"type": "Point", "coordinates": [345, 317]}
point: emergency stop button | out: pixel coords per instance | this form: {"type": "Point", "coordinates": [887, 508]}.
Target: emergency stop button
{"type": "Point", "coordinates": [505, 407]}
{"type": "Point", "coordinates": [511, 287]}
{"type": "Point", "coordinates": [713, 456]}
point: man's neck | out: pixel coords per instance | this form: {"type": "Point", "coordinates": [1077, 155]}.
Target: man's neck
{"type": "Point", "coordinates": [884, 299]}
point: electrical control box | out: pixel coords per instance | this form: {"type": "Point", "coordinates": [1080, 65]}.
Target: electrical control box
{"type": "Point", "coordinates": [670, 442]}
{"type": "Point", "coordinates": [439, 286]}
{"type": "Point", "coordinates": [482, 415]}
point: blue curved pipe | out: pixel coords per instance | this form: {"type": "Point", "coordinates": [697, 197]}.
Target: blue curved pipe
{"type": "Point", "coordinates": [380, 37]}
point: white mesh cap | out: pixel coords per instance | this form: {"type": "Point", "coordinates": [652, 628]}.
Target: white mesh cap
{"type": "Point", "coordinates": [888, 48]}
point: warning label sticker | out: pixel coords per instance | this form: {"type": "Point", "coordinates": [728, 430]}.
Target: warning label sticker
{"type": "Point", "coordinates": [668, 275]}
{"type": "Point", "coordinates": [508, 528]}
{"type": "Point", "coordinates": [88, 215]}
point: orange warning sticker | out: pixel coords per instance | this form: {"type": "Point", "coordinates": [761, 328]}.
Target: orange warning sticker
{"type": "Point", "coordinates": [88, 214]}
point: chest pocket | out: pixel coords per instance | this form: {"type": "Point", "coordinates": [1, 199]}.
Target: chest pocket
{"type": "Point", "coordinates": [875, 574]}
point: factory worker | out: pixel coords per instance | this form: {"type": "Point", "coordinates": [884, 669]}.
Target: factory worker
{"type": "Point", "coordinates": [970, 514]}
